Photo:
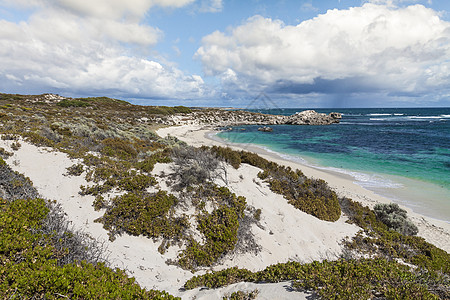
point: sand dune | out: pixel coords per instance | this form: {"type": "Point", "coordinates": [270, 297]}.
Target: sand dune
{"type": "Point", "coordinates": [284, 233]}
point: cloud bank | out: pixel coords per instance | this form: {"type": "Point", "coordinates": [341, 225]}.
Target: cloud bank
{"type": "Point", "coordinates": [373, 48]}
{"type": "Point", "coordinates": [89, 47]}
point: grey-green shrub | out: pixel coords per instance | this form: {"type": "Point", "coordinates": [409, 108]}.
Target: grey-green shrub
{"type": "Point", "coordinates": [395, 218]}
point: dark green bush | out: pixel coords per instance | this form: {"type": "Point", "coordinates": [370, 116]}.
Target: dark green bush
{"type": "Point", "coordinates": [14, 185]}
{"type": "Point", "coordinates": [218, 228]}
{"type": "Point", "coordinates": [5, 154]}
{"type": "Point", "coordinates": [230, 156]}
{"type": "Point", "coordinates": [137, 182]}
{"type": "Point", "coordinates": [241, 295]}
{"type": "Point", "coordinates": [220, 231]}
{"type": "Point", "coordinates": [75, 170]}
{"type": "Point", "coordinates": [121, 148]}
{"type": "Point", "coordinates": [167, 110]}
{"type": "Point", "coordinates": [74, 103]}
{"type": "Point", "coordinates": [146, 214]}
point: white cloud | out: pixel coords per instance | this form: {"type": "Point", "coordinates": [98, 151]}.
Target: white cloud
{"type": "Point", "coordinates": [86, 47]}
{"type": "Point", "coordinates": [211, 6]}
{"type": "Point", "coordinates": [377, 46]}
{"type": "Point", "coordinates": [308, 6]}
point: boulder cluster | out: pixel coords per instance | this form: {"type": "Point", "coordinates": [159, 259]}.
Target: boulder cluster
{"type": "Point", "coordinates": [311, 117]}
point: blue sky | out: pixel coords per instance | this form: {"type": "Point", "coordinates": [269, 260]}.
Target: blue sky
{"type": "Point", "coordinates": [306, 53]}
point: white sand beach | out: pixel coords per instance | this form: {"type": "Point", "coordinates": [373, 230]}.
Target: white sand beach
{"type": "Point", "coordinates": [434, 231]}
{"type": "Point", "coordinates": [284, 234]}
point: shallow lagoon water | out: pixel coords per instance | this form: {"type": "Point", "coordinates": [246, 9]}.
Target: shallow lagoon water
{"type": "Point", "coordinates": [403, 154]}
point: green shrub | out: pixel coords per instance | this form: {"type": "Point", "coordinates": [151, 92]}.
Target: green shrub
{"type": "Point", "coordinates": [341, 279]}
{"type": "Point", "coordinates": [29, 270]}
{"type": "Point", "coordinates": [14, 185]}
{"type": "Point", "coordinates": [218, 228]}
{"type": "Point", "coordinates": [166, 110]}
{"type": "Point", "coordinates": [16, 146]}
{"type": "Point", "coordinates": [146, 214]}
{"type": "Point", "coordinates": [74, 103]}
{"type": "Point", "coordinates": [220, 232]}
{"type": "Point", "coordinates": [118, 147]}
{"type": "Point", "coordinates": [230, 156]}
{"type": "Point", "coordinates": [38, 139]}
{"type": "Point", "coordinates": [75, 170]}
{"type": "Point", "coordinates": [379, 240]}
{"type": "Point", "coordinates": [5, 154]}
{"type": "Point", "coordinates": [241, 295]}
{"type": "Point", "coordinates": [395, 218]}
{"type": "Point", "coordinates": [312, 196]}
{"type": "Point", "coordinates": [148, 164]}
{"type": "Point", "coordinates": [137, 182]}
{"type": "Point", "coordinates": [257, 214]}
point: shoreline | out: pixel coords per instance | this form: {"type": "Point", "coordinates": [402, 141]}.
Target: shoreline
{"type": "Point", "coordinates": [433, 230]}
{"type": "Point", "coordinates": [402, 190]}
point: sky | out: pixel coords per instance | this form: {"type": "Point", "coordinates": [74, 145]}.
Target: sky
{"type": "Point", "coordinates": [304, 53]}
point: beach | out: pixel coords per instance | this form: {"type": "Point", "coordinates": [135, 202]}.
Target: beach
{"type": "Point", "coordinates": [434, 231]}
{"type": "Point", "coordinates": [284, 233]}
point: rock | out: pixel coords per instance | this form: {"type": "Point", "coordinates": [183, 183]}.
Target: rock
{"type": "Point", "coordinates": [265, 129]}
{"type": "Point", "coordinates": [311, 117]}
{"type": "Point", "coordinates": [226, 118]}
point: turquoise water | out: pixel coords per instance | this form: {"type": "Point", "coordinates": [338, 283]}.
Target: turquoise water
{"type": "Point", "coordinates": [391, 151]}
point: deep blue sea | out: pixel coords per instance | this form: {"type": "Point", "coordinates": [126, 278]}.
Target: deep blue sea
{"type": "Point", "coordinates": [401, 153]}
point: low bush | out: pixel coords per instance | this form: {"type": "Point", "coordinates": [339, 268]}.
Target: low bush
{"type": "Point", "coordinates": [16, 146]}
{"type": "Point", "coordinates": [5, 154]}
{"type": "Point", "coordinates": [395, 218]}
{"type": "Point", "coordinates": [376, 239]}
{"type": "Point", "coordinates": [116, 147]}
{"type": "Point", "coordinates": [30, 268]}
{"type": "Point", "coordinates": [312, 196]}
{"type": "Point", "coordinates": [75, 170]}
{"type": "Point", "coordinates": [74, 103]}
{"type": "Point", "coordinates": [167, 110]}
{"type": "Point", "coordinates": [241, 295]}
{"type": "Point", "coordinates": [193, 166]}
{"type": "Point", "coordinates": [14, 185]}
{"type": "Point", "coordinates": [219, 228]}
{"type": "Point", "coordinates": [137, 182]}
{"type": "Point", "coordinates": [341, 279]}
{"type": "Point", "coordinates": [146, 214]}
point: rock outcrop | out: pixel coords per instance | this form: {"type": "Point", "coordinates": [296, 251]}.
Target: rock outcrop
{"type": "Point", "coordinates": [310, 117]}
{"type": "Point", "coordinates": [222, 118]}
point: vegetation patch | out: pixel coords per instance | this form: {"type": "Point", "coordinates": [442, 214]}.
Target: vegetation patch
{"type": "Point", "coordinates": [218, 228]}
{"type": "Point", "coordinates": [146, 214]}
{"type": "Point", "coordinates": [312, 196]}
{"type": "Point", "coordinates": [241, 295]}
{"type": "Point", "coordinates": [74, 103]}
{"type": "Point", "coordinates": [395, 218]}
{"type": "Point", "coordinates": [376, 239]}
{"type": "Point", "coordinates": [341, 279]}
{"type": "Point", "coordinates": [30, 268]}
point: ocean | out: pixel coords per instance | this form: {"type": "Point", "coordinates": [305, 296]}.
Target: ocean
{"type": "Point", "coordinates": [400, 153]}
